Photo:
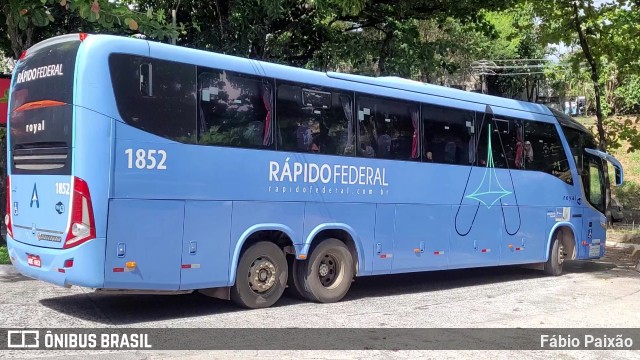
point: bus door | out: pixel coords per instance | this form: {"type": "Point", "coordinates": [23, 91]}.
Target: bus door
{"type": "Point", "coordinates": [594, 223]}
{"type": "Point", "coordinates": [594, 183]}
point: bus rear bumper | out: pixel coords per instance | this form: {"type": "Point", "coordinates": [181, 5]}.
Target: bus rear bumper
{"type": "Point", "coordinates": [87, 269]}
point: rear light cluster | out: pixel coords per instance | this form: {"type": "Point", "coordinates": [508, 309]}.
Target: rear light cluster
{"type": "Point", "coordinates": [82, 227]}
{"type": "Point", "coordinates": [7, 216]}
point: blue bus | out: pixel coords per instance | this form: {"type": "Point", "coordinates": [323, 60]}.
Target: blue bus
{"type": "Point", "coordinates": [145, 167]}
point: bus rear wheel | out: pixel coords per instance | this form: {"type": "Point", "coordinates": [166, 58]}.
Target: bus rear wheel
{"type": "Point", "coordinates": [295, 284]}
{"type": "Point", "coordinates": [326, 276]}
{"type": "Point", "coordinates": [555, 263]}
{"type": "Point", "coordinates": [261, 276]}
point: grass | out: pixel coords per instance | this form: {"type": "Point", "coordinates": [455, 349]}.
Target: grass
{"type": "Point", "coordinates": [4, 255]}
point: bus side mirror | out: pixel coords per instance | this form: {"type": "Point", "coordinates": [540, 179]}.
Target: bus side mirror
{"type": "Point", "coordinates": [618, 172]}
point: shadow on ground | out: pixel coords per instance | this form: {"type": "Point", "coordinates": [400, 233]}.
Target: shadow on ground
{"type": "Point", "coordinates": [131, 309]}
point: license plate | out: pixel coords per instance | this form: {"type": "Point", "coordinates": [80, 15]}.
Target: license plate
{"type": "Point", "coordinates": [594, 250]}
{"type": "Point", "coordinates": [34, 260]}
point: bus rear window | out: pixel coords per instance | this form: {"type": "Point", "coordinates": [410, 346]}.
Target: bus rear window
{"type": "Point", "coordinates": [46, 73]}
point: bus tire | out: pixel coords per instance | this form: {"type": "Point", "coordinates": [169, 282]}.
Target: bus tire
{"type": "Point", "coordinates": [554, 264]}
{"type": "Point", "coordinates": [295, 284]}
{"type": "Point", "coordinates": [261, 276]}
{"type": "Point", "coordinates": [328, 272]}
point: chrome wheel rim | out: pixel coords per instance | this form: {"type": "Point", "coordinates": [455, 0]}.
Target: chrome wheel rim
{"type": "Point", "coordinates": [560, 254]}
{"type": "Point", "coordinates": [262, 275]}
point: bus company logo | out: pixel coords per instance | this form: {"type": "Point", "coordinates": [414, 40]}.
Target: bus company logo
{"type": "Point", "coordinates": [34, 128]}
{"type": "Point", "coordinates": [39, 73]}
{"type": "Point", "coordinates": [34, 197]}
{"type": "Point", "coordinates": [60, 207]}
{"type": "Point", "coordinates": [303, 177]}
{"type": "Point", "coordinates": [23, 339]}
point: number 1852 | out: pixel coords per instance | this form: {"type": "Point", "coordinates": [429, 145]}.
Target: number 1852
{"type": "Point", "coordinates": [146, 159]}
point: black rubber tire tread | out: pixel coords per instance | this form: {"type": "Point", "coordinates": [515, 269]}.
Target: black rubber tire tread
{"type": "Point", "coordinates": [314, 289]}
{"type": "Point", "coordinates": [241, 292]}
{"type": "Point", "coordinates": [295, 284]}
{"type": "Point", "coordinates": [551, 267]}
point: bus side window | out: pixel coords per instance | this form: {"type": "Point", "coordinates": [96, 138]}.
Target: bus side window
{"type": "Point", "coordinates": [311, 119]}
{"type": "Point", "coordinates": [234, 110]}
{"type": "Point", "coordinates": [157, 96]}
{"type": "Point", "coordinates": [548, 153]}
{"type": "Point", "coordinates": [388, 129]}
{"type": "Point", "coordinates": [448, 135]}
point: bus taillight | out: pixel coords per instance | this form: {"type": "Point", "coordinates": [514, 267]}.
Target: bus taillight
{"type": "Point", "coordinates": [7, 216]}
{"type": "Point", "coordinates": [82, 226]}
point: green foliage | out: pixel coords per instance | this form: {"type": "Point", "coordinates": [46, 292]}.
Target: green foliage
{"type": "Point", "coordinates": [621, 131]}
{"type": "Point", "coordinates": [628, 95]}
{"type": "Point", "coordinates": [365, 36]}
{"type": "Point", "coordinates": [5, 97]}
{"type": "Point", "coordinates": [607, 36]}
{"type": "Point", "coordinates": [4, 255]}
{"type": "Point", "coordinates": [516, 37]}
{"type": "Point", "coordinates": [628, 194]}
{"type": "Point", "coordinates": [30, 21]}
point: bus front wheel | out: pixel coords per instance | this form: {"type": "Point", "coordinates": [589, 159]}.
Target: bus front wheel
{"type": "Point", "coordinates": [554, 264]}
{"type": "Point", "coordinates": [327, 275]}
{"type": "Point", "coordinates": [261, 276]}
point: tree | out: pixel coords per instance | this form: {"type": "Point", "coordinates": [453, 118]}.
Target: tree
{"type": "Point", "coordinates": [607, 35]}
{"type": "Point", "coordinates": [364, 34]}
{"type": "Point", "coordinates": [29, 21]}
{"type": "Point", "coordinates": [516, 47]}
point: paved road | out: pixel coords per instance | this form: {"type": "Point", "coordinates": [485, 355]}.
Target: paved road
{"type": "Point", "coordinates": [604, 293]}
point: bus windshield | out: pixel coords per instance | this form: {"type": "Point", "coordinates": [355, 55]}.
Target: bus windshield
{"type": "Point", "coordinates": [41, 114]}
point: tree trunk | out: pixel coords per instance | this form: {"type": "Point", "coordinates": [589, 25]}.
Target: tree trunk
{"type": "Point", "coordinates": [595, 78]}
{"type": "Point", "coordinates": [20, 40]}
{"type": "Point", "coordinates": [385, 51]}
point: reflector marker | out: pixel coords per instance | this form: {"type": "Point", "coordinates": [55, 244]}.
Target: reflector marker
{"type": "Point", "coordinates": [386, 256]}
{"type": "Point", "coordinates": [519, 249]}
{"type": "Point", "coordinates": [486, 250]}
{"type": "Point", "coordinates": [61, 270]}
{"type": "Point", "coordinates": [191, 266]}
{"type": "Point", "coordinates": [118, 269]}
{"type": "Point", "coordinates": [438, 253]}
